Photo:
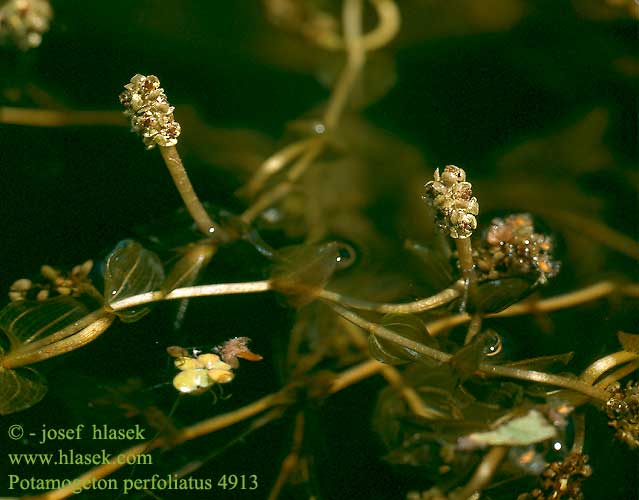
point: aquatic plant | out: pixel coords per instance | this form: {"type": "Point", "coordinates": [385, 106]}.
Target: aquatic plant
{"type": "Point", "coordinates": [345, 234]}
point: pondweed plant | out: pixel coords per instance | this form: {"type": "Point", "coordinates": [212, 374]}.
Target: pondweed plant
{"type": "Point", "coordinates": [464, 411]}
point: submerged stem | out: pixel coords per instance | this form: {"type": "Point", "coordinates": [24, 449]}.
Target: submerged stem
{"type": "Point", "coordinates": [29, 356]}
{"type": "Point", "coordinates": [59, 118]}
{"type": "Point", "coordinates": [440, 299]}
{"type": "Point", "coordinates": [193, 204]}
{"type": "Point", "coordinates": [466, 264]}
{"type": "Point", "coordinates": [571, 299]}
{"type": "Point", "coordinates": [483, 474]}
{"type": "Point", "coordinates": [192, 291]}
{"type": "Point", "coordinates": [489, 369]}
{"type": "Point", "coordinates": [356, 57]}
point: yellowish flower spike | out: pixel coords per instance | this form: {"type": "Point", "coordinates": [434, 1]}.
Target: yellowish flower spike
{"type": "Point", "coordinates": [453, 201]}
{"type": "Point", "coordinates": [151, 115]}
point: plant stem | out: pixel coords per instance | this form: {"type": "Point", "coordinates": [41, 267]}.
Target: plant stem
{"type": "Point", "coordinates": [587, 294]}
{"type": "Point", "coordinates": [275, 163]}
{"type": "Point", "coordinates": [492, 370]}
{"type": "Point", "coordinates": [440, 299]}
{"type": "Point", "coordinates": [474, 327]}
{"type": "Point", "coordinates": [193, 291]}
{"type": "Point", "coordinates": [356, 374]}
{"type": "Point", "coordinates": [193, 204]}
{"type": "Point", "coordinates": [602, 365]}
{"type": "Point", "coordinates": [579, 424]}
{"type": "Point", "coordinates": [392, 376]}
{"type": "Point", "coordinates": [545, 378]}
{"type": "Point", "coordinates": [617, 375]}
{"type": "Point", "coordinates": [389, 335]}
{"type": "Point", "coordinates": [200, 429]}
{"type": "Point", "coordinates": [356, 57]}
{"type": "Point", "coordinates": [483, 474]}
{"type": "Point", "coordinates": [279, 191]}
{"type": "Point", "coordinates": [15, 359]}
{"type": "Point", "coordinates": [467, 266]}
{"type": "Point", "coordinates": [386, 29]}
{"type": "Point", "coordinates": [59, 118]}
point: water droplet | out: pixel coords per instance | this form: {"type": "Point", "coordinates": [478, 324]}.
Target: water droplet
{"type": "Point", "coordinates": [346, 256]}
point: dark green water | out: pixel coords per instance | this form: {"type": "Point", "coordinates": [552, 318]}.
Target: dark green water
{"type": "Point", "coordinates": [468, 97]}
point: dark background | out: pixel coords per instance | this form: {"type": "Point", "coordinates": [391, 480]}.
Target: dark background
{"type": "Point", "coordinates": [471, 84]}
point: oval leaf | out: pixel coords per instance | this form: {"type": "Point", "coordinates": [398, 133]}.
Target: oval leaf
{"type": "Point", "coordinates": [187, 269]}
{"type": "Point", "coordinates": [131, 270]}
{"type": "Point", "coordinates": [20, 389]}
{"type": "Point", "coordinates": [27, 321]}
{"type": "Point", "coordinates": [407, 326]}
{"type": "Point", "coordinates": [496, 295]}
{"type": "Point", "coordinates": [302, 270]}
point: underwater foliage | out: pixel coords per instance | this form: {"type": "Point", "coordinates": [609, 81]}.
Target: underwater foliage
{"type": "Point", "coordinates": [314, 302]}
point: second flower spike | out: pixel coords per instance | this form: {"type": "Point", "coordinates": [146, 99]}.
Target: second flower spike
{"type": "Point", "coordinates": [452, 199]}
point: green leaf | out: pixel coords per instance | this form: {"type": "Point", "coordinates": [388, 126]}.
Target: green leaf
{"type": "Point", "coordinates": [410, 327]}
{"type": "Point", "coordinates": [301, 271]}
{"type": "Point", "coordinates": [27, 321]}
{"type": "Point", "coordinates": [521, 431]}
{"type": "Point", "coordinates": [131, 270]}
{"type": "Point", "coordinates": [20, 389]}
{"type": "Point", "coordinates": [496, 295]}
{"type": "Point", "coordinates": [187, 269]}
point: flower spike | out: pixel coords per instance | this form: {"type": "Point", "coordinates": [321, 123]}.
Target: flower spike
{"type": "Point", "coordinates": [151, 115]}
{"type": "Point", "coordinates": [452, 198]}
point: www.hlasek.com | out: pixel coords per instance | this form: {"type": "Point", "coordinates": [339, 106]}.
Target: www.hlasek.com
{"type": "Point", "coordinates": [72, 457]}
{"type": "Point", "coordinates": [156, 482]}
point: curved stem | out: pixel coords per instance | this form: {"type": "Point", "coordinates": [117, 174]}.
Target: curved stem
{"type": "Point", "coordinates": [275, 163]}
{"type": "Point", "coordinates": [440, 299]}
{"type": "Point", "coordinates": [63, 333]}
{"type": "Point", "coordinates": [80, 339]}
{"type": "Point", "coordinates": [587, 294]}
{"type": "Point", "coordinates": [356, 374]}
{"type": "Point", "coordinates": [386, 29]}
{"type": "Point", "coordinates": [492, 370]}
{"type": "Point", "coordinates": [618, 374]}
{"type": "Point", "coordinates": [200, 429]}
{"type": "Point", "coordinates": [545, 378]}
{"type": "Point", "coordinates": [193, 204]}
{"type": "Point", "coordinates": [356, 56]}
{"type": "Point", "coordinates": [602, 365]}
{"type": "Point", "coordinates": [389, 335]}
{"type": "Point", "coordinates": [282, 189]}
{"type": "Point", "coordinates": [483, 474]}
